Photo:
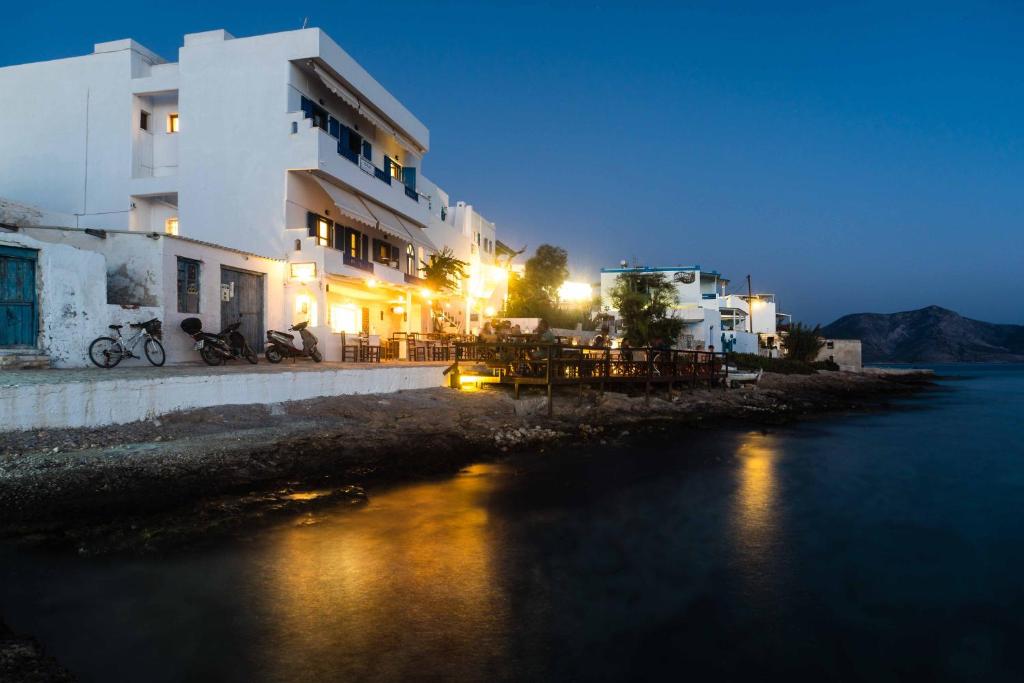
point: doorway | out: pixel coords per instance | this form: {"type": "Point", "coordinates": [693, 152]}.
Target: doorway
{"type": "Point", "coordinates": [241, 298]}
{"type": "Point", "coordinates": [19, 305]}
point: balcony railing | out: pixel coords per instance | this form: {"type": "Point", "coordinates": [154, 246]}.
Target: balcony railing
{"type": "Point", "coordinates": [359, 263]}
{"type": "Point", "coordinates": [414, 280]}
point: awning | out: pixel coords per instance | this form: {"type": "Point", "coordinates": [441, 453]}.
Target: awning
{"type": "Point", "coordinates": [349, 204]}
{"type": "Point", "coordinates": [389, 223]}
{"type": "Point", "coordinates": [418, 235]}
{"type": "Point", "coordinates": [351, 100]}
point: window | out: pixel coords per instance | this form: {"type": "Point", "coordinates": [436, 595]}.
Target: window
{"type": "Point", "coordinates": [385, 253]}
{"type": "Point", "coordinates": [171, 225]}
{"type": "Point", "coordinates": [172, 123]}
{"type": "Point", "coordinates": [188, 285]}
{"type": "Point", "coordinates": [144, 120]}
{"type": "Point", "coordinates": [410, 256]}
{"type": "Point", "coordinates": [321, 228]}
{"type": "Point", "coordinates": [396, 171]}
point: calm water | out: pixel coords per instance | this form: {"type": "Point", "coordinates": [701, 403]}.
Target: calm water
{"type": "Point", "coordinates": [881, 547]}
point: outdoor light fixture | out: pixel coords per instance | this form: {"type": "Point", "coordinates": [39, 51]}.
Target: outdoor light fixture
{"type": "Point", "coordinates": [303, 272]}
{"type": "Point", "coordinates": [371, 282]}
{"type": "Point", "coordinates": [489, 311]}
{"type": "Point", "coordinates": [398, 310]}
{"type": "Point", "coordinates": [424, 292]}
{"type": "Point", "coordinates": [576, 292]}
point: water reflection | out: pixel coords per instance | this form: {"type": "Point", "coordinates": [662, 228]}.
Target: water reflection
{"type": "Point", "coordinates": [422, 556]}
{"type": "Point", "coordinates": [755, 509]}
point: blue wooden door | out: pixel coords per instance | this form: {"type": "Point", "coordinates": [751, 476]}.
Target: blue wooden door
{"type": "Point", "coordinates": [19, 310]}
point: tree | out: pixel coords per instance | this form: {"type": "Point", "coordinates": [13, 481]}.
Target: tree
{"type": "Point", "coordinates": [535, 293]}
{"type": "Point", "coordinates": [644, 302]}
{"type": "Point", "coordinates": [803, 343]}
{"type": "Point", "coordinates": [444, 271]}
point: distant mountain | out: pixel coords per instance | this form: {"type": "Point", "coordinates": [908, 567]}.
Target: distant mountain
{"type": "Point", "coordinates": [929, 335]}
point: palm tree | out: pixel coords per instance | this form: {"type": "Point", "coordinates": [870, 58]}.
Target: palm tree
{"type": "Point", "coordinates": [444, 271]}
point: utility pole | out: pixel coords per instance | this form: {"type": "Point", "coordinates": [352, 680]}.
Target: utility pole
{"type": "Point", "coordinates": [750, 306]}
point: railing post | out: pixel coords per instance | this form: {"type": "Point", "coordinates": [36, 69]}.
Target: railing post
{"type": "Point", "coordinates": [647, 380]}
{"type": "Point", "coordinates": [550, 355]}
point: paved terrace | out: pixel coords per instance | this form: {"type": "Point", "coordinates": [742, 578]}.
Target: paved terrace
{"type": "Point", "coordinates": [93, 397]}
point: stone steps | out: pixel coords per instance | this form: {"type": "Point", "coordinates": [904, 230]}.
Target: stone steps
{"type": "Point", "coordinates": [23, 360]}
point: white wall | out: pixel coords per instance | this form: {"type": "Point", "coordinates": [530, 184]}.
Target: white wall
{"type": "Point", "coordinates": [118, 399]}
{"type": "Point", "coordinates": [66, 134]}
{"type": "Point", "coordinates": [72, 297]}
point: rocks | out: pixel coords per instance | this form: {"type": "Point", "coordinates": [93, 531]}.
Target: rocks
{"type": "Point", "coordinates": [517, 437]}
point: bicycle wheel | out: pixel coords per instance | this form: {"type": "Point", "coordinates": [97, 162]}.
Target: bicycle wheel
{"type": "Point", "coordinates": [154, 352]}
{"type": "Point", "coordinates": [105, 352]}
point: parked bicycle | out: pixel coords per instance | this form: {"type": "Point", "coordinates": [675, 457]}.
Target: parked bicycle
{"type": "Point", "coordinates": [106, 352]}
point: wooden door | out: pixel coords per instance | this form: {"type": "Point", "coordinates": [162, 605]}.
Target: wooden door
{"type": "Point", "coordinates": [241, 298]}
{"type": "Point", "coordinates": [19, 306]}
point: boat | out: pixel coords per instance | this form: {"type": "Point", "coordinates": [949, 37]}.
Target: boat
{"type": "Point", "coordinates": [737, 377]}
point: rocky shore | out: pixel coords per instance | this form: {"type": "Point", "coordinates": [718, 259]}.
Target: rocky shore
{"type": "Point", "coordinates": [148, 485]}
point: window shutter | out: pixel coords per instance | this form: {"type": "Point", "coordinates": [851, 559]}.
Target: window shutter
{"type": "Point", "coordinates": [307, 107]}
{"type": "Point", "coordinates": [311, 223]}
{"type": "Point", "coordinates": [409, 177]}
{"type": "Point", "coordinates": [366, 248]}
{"type": "Point", "coordinates": [387, 167]}
{"type": "Point", "coordinates": [333, 127]}
{"type": "Point", "coordinates": [367, 150]}
{"type": "Point", "coordinates": [344, 132]}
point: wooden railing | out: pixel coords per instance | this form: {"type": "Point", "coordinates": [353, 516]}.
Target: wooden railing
{"type": "Point", "coordinates": [550, 365]}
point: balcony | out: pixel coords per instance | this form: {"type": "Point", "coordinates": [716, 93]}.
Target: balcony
{"type": "Point", "coordinates": [314, 149]}
{"type": "Point", "coordinates": [387, 273]}
{"type": "Point", "coordinates": [411, 193]}
{"type": "Point", "coordinates": [359, 263]}
{"type": "Point", "coordinates": [414, 280]}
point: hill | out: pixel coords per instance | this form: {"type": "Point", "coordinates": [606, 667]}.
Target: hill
{"type": "Point", "coordinates": [929, 335]}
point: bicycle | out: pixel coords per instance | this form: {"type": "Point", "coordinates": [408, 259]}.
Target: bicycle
{"type": "Point", "coordinates": [106, 352]}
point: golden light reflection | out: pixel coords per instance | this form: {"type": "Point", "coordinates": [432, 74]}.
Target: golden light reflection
{"type": "Point", "coordinates": [421, 555]}
{"type": "Point", "coordinates": [755, 495]}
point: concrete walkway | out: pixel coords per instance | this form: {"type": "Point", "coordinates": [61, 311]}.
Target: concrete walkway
{"type": "Point", "coordinates": [93, 397]}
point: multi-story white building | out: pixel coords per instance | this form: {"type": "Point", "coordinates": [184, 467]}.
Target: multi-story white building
{"type": "Point", "coordinates": [281, 146]}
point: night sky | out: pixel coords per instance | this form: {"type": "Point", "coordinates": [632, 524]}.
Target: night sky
{"type": "Point", "coordinates": [859, 158]}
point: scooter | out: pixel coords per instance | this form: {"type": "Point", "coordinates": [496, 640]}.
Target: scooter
{"type": "Point", "coordinates": [215, 349]}
{"type": "Point", "coordinates": [281, 345]}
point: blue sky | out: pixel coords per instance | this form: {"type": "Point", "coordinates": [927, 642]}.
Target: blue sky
{"type": "Point", "coordinates": [859, 157]}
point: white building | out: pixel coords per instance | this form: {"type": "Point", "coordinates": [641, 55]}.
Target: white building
{"type": "Point", "coordinates": [711, 317]}
{"type": "Point", "coordinates": [278, 146]}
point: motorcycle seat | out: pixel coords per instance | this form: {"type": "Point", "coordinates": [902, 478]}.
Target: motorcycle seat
{"type": "Point", "coordinates": [285, 334]}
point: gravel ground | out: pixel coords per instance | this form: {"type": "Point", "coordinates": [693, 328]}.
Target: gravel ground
{"type": "Point", "coordinates": [89, 475]}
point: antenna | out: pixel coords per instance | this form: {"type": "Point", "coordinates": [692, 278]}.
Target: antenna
{"type": "Point", "coordinates": [304, 20]}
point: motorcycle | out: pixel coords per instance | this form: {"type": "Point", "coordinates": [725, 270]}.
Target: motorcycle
{"type": "Point", "coordinates": [215, 349]}
{"type": "Point", "coordinates": [281, 345]}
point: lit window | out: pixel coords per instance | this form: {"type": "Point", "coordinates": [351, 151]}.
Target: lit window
{"type": "Point", "coordinates": [323, 232]}
{"type": "Point", "coordinates": [344, 318]}
{"type": "Point", "coordinates": [410, 253]}
{"type": "Point", "coordinates": [396, 171]}
{"type": "Point", "coordinates": [144, 120]}
{"type": "Point", "coordinates": [171, 226]}
{"type": "Point", "coordinates": [172, 123]}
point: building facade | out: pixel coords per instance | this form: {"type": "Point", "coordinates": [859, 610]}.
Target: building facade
{"type": "Point", "coordinates": [279, 146]}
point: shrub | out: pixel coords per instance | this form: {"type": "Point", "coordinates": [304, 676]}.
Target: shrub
{"type": "Point", "coordinates": [783, 366]}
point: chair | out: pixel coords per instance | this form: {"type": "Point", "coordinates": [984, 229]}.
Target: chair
{"type": "Point", "coordinates": [349, 348]}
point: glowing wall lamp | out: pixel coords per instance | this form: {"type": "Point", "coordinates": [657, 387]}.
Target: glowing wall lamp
{"type": "Point", "coordinates": [303, 272]}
